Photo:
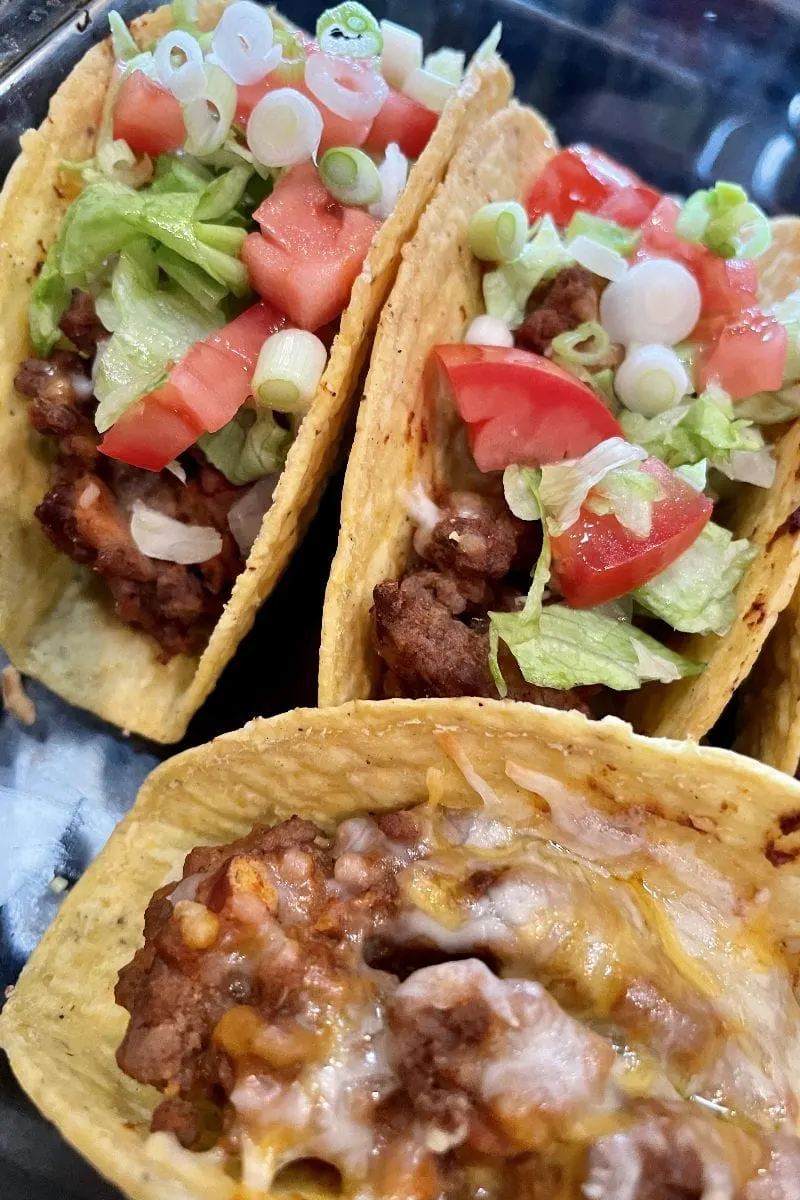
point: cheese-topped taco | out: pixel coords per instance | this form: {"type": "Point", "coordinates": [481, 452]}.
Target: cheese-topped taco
{"type": "Point", "coordinates": [194, 249]}
{"type": "Point", "coordinates": [574, 463]}
{"type": "Point", "coordinates": [431, 949]}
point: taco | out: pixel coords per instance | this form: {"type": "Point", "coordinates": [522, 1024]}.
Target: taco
{"type": "Point", "coordinates": [187, 303]}
{"type": "Point", "coordinates": [769, 711]}
{"type": "Point", "coordinates": [431, 948]}
{"type": "Point", "coordinates": [612, 358]}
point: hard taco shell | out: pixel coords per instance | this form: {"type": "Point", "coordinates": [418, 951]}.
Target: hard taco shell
{"type": "Point", "coordinates": [396, 446]}
{"type": "Point", "coordinates": [56, 622]}
{"type": "Point", "coordinates": [61, 1027]}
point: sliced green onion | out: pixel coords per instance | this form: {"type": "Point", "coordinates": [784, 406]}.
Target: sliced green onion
{"type": "Point", "coordinates": [725, 221]}
{"type": "Point", "coordinates": [568, 345]}
{"type": "Point", "coordinates": [498, 231]}
{"type": "Point", "coordinates": [292, 67]}
{"type": "Point", "coordinates": [744, 232]}
{"type": "Point", "coordinates": [402, 52]}
{"type": "Point", "coordinates": [489, 45]}
{"type": "Point", "coordinates": [351, 30]}
{"type": "Point", "coordinates": [447, 64]}
{"type": "Point", "coordinates": [122, 42]}
{"type": "Point", "coordinates": [208, 293]}
{"type": "Point", "coordinates": [144, 62]}
{"type": "Point", "coordinates": [209, 118]}
{"type": "Point", "coordinates": [607, 233]}
{"type": "Point", "coordinates": [429, 89]}
{"type": "Point", "coordinates": [223, 193]}
{"type": "Point", "coordinates": [226, 238]}
{"type": "Point", "coordinates": [350, 176]}
{"type": "Point", "coordinates": [184, 15]}
{"type": "Point", "coordinates": [651, 380]}
{"type": "Point", "coordinates": [288, 371]}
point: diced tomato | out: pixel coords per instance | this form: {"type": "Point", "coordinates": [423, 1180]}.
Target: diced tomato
{"type": "Point", "coordinates": [310, 249]}
{"type": "Point", "coordinates": [630, 206]}
{"type": "Point", "coordinates": [336, 130]}
{"type": "Point", "coordinates": [597, 559]}
{"type": "Point", "coordinates": [520, 408]}
{"type": "Point", "coordinates": [581, 178]}
{"type": "Point", "coordinates": [727, 285]}
{"type": "Point", "coordinates": [659, 240]}
{"type": "Point", "coordinates": [205, 390]}
{"type": "Point", "coordinates": [152, 432]}
{"type": "Point", "coordinates": [148, 117]}
{"type": "Point", "coordinates": [404, 121]}
{"type": "Point", "coordinates": [747, 356]}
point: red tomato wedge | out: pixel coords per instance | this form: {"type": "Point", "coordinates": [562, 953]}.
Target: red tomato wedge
{"type": "Point", "coordinates": [581, 178]}
{"type": "Point", "coordinates": [205, 390]}
{"type": "Point", "coordinates": [747, 356]}
{"type": "Point", "coordinates": [597, 559]}
{"type": "Point", "coordinates": [630, 206]}
{"type": "Point", "coordinates": [659, 240]}
{"type": "Point", "coordinates": [404, 121]}
{"type": "Point", "coordinates": [336, 130]}
{"type": "Point", "coordinates": [148, 117]}
{"type": "Point", "coordinates": [152, 432]}
{"type": "Point", "coordinates": [520, 407]}
{"type": "Point", "coordinates": [310, 249]}
{"type": "Point", "coordinates": [727, 285]}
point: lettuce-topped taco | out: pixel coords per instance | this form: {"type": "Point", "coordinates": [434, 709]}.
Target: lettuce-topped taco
{"type": "Point", "coordinates": [579, 464]}
{"type": "Point", "coordinates": [194, 249]}
{"type": "Point", "coordinates": [431, 949]}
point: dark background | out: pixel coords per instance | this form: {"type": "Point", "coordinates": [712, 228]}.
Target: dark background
{"type": "Point", "coordinates": [682, 91]}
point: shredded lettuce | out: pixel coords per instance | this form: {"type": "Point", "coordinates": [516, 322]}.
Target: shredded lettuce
{"type": "Point", "coordinates": [170, 219]}
{"type": "Point", "coordinates": [248, 447]}
{"type": "Point", "coordinates": [771, 408]}
{"type": "Point", "coordinates": [696, 474]}
{"type": "Point", "coordinates": [507, 289]}
{"type": "Point", "coordinates": [697, 593]}
{"type": "Point", "coordinates": [572, 647]}
{"type": "Point", "coordinates": [50, 297]}
{"type": "Point", "coordinates": [607, 233]}
{"type": "Point", "coordinates": [704, 428]}
{"type": "Point", "coordinates": [99, 223]}
{"type": "Point", "coordinates": [521, 489]}
{"type": "Point", "coordinates": [565, 485]}
{"type": "Point", "coordinates": [629, 494]}
{"type": "Point", "coordinates": [182, 173]}
{"type": "Point", "coordinates": [159, 325]}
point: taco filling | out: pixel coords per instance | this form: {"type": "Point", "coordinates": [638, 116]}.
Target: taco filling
{"type": "Point", "coordinates": [597, 426]}
{"type": "Point", "coordinates": [182, 318]}
{"type": "Point", "coordinates": [466, 1002]}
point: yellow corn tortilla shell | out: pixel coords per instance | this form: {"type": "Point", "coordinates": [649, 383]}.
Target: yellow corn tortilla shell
{"type": "Point", "coordinates": [393, 448]}
{"type": "Point", "coordinates": [61, 1027]}
{"type": "Point", "coordinates": [769, 719]}
{"type": "Point", "coordinates": [56, 620]}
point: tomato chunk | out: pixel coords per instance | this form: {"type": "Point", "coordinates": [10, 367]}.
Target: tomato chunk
{"type": "Point", "coordinates": [148, 117]}
{"type": "Point", "coordinates": [727, 285]}
{"type": "Point", "coordinates": [336, 130]}
{"type": "Point", "coordinates": [520, 407]}
{"type": "Point", "coordinates": [630, 206]}
{"type": "Point", "coordinates": [659, 239]}
{"type": "Point", "coordinates": [582, 178]}
{"type": "Point", "coordinates": [404, 121]}
{"type": "Point", "coordinates": [205, 390]}
{"type": "Point", "coordinates": [747, 356]}
{"type": "Point", "coordinates": [597, 559]}
{"type": "Point", "coordinates": [152, 432]}
{"type": "Point", "coordinates": [310, 249]}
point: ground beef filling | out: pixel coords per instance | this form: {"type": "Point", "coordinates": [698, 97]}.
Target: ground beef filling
{"type": "Point", "coordinates": [86, 512]}
{"type": "Point", "coordinates": [260, 1008]}
{"type": "Point", "coordinates": [431, 627]}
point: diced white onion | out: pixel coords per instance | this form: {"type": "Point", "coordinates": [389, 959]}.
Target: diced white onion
{"type": "Point", "coordinates": [187, 48]}
{"type": "Point", "coordinates": [402, 53]}
{"type": "Point", "coordinates": [488, 331]}
{"type": "Point", "coordinates": [393, 173]}
{"type": "Point", "coordinates": [284, 128]}
{"type": "Point", "coordinates": [599, 259]}
{"type": "Point", "coordinates": [651, 380]}
{"type": "Point", "coordinates": [654, 301]}
{"type": "Point", "coordinates": [350, 89]}
{"type": "Point", "coordinates": [565, 485]}
{"type": "Point", "coordinates": [247, 514]}
{"type": "Point", "coordinates": [175, 468]}
{"type": "Point", "coordinates": [288, 370]}
{"type": "Point", "coordinates": [243, 42]}
{"type": "Point", "coordinates": [159, 536]}
{"type": "Point", "coordinates": [429, 89]}
{"type": "Point", "coordinates": [209, 117]}
{"type": "Point", "coordinates": [749, 466]}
